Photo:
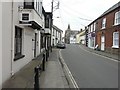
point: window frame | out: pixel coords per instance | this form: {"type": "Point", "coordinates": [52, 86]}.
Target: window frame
{"type": "Point", "coordinates": [94, 26]}
{"type": "Point", "coordinates": [104, 23]}
{"type": "Point", "coordinates": [18, 43]}
{"type": "Point", "coordinates": [117, 18]}
{"type": "Point", "coordinates": [114, 39]}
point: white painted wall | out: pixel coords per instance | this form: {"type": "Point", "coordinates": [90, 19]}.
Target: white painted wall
{"type": "Point", "coordinates": [0, 45]}
{"type": "Point", "coordinates": [56, 35]}
{"type": "Point", "coordinates": [9, 65]}
{"type": "Point", "coordinates": [72, 40]}
{"type": "Point", "coordinates": [83, 39]}
{"type": "Point", "coordinates": [28, 35]}
{"type": "Point", "coordinates": [6, 40]}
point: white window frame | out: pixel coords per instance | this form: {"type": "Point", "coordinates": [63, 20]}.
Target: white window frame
{"type": "Point", "coordinates": [117, 18]}
{"type": "Point", "coordinates": [94, 26]}
{"type": "Point", "coordinates": [115, 38]}
{"type": "Point", "coordinates": [91, 27]}
{"type": "Point", "coordinates": [103, 23]}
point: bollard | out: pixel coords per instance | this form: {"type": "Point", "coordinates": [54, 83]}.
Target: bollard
{"type": "Point", "coordinates": [43, 62]}
{"type": "Point", "coordinates": [36, 78]}
{"type": "Point", "coordinates": [46, 56]}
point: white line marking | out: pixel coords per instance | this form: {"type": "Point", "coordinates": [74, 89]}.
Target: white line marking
{"type": "Point", "coordinates": [100, 55]}
{"type": "Point", "coordinates": [68, 71]}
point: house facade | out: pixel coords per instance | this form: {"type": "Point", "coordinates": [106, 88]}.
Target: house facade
{"type": "Point", "coordinates": [80, 37]}
{"type": "Point", "coordinates": [23, 24]}
{"type": "Point", "coordinates": [70, 35]}
{"type": "Point", "coordinates": [107, 31]}
{"type": "Point", "coordinates": [91, 35]}
{"type": "Point", "coordinates": [56, 35]}
{"type": "Point", "coordinates": [48, 30]}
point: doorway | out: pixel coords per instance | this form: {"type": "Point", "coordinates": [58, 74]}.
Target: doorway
{"type": "Point", "coordinates": [102, 43]}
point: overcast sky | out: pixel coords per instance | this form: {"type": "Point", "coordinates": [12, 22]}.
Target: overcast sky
{"type": "Point", "coordinates": [77, 13]}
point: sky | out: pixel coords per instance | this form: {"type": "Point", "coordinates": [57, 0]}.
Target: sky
{"type": "Point", "coordinates": [77, 13]}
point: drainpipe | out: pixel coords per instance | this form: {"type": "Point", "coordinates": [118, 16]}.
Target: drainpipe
{"type": "Point", "coordinates": [12, 37]}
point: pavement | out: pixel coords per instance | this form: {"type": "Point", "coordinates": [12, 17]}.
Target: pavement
{"type": "Point", "coordinates": [110, 55]}
{"type": "Point", "coordinates": [52, 77]}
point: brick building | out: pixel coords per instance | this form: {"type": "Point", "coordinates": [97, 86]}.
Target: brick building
{"type": "Point", "coordinates": [107, 30]}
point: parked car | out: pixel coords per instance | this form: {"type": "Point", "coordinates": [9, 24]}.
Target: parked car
{"type": "Point", "coordinates": [61, 45]}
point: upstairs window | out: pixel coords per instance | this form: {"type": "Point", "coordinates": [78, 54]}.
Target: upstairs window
{"type": "Point", "coordinates": [103, 23]}
{"type": "Point", "coordinates": [91, 27]}
{"type": "Point", "coordinates": [94, 27]}
{"type": "Point", "coordinates": [42, 41]}
{"type": "Point", "coordinates": [117, 18]}
{"type": "Point", "coordinates": [47, 22]}
{"type": "Point", "coordinates": [53, 32]}
{"type": "Point", "coordinates": [115, 40]}
{"type": "Point", "coordinates": [28, 4]}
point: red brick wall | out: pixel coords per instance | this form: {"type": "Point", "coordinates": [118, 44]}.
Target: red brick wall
{"type": "Point", "coordinates": [108, 31]}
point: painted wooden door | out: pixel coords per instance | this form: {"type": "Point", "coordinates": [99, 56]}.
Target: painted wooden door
{"type": "Point", "coordinates": [102, 43]}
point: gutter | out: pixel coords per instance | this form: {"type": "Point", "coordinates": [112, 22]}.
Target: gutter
{"type": "Point", "coordinates": [12, 37]}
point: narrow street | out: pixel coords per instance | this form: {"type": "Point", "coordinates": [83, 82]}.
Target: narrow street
{"type": "Point", "coordinates": [90, 70]}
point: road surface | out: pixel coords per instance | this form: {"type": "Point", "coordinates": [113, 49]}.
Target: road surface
{"type": "Point", "coordinates": [90, 70]}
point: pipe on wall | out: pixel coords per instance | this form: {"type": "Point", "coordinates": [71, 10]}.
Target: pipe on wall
{"type": "Point", "coordinates": [12, 38]}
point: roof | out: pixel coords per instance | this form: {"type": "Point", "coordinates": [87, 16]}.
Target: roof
{"type": "Point", "coordinates": [81, 33]}
{"type": "Point", "coordinates": [111, 9]}
{"type": "Point", "coordinates": [108, 11]}
{"type": "Point", "coordinates": [55, 27]}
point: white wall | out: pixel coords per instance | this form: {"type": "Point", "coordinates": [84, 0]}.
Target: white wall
{"type": "Point", "coordinates": [9, 65]}
{"type": "Point", "coordinates": [0, 45]}
{"type": "Point", "coordinates": [72, 40]}
{"type": "Point", "coordinates": [6, 40]}
{"type": "Point", "coordinates": [83, 39]}
{"type": "Point", "coordinates": [27, 44]}
{"type": "Point", "coordinates": [27, 50]}
{"type": "Point", "coordinates": [56, 35]}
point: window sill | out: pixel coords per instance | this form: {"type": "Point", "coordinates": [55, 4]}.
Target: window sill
{"type": "Point", "coordinates": [19, 57]}
{"type": "Point", "coordinates": [102, 28]}
{"type": "Point", "coordinates": [116, 24]}
{"type": "Point", "coordinates": [115, 47]}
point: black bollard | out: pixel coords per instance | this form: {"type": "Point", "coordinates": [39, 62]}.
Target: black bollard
{"type": "Point", "coordinates": [36, 78]}
{"type": "Point", "coordinates": [43, 62]}
{"type": "Point", "coordinates": [46, 56]}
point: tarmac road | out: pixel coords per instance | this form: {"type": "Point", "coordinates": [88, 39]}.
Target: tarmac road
{"type": "Point", "coordinates": [90, 70]}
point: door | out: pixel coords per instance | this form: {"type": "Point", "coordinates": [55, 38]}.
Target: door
{"type": "Point", "coordinates": [35, 44]}
{"type": "Point", "coordinates": [102, 43]}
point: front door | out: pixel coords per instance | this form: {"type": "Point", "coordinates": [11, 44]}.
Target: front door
{"type": "Point", "coordinates": [102, 43]}
{"type": "Point", "coordinates": [35, 43]}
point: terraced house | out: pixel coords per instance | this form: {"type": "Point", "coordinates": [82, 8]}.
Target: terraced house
{"type": "Point", "coordinates": [56, 35]}
{"type": "Point", "coordinates": [25, 34]}
{"type": "Point", "coordinates": [105, 31]}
